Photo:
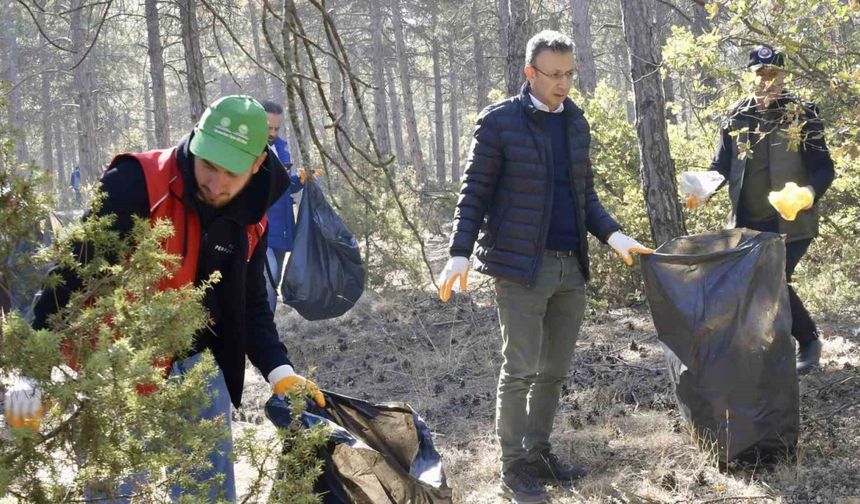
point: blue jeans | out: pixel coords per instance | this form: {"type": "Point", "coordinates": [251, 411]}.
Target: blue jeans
{"type": "Point", "coordinates": [275, 258]}
{"type": "Point", "coordinates": [220, 457]}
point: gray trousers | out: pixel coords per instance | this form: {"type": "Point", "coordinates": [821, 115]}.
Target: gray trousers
{"type": "Point", "coordinates": [539, 327]}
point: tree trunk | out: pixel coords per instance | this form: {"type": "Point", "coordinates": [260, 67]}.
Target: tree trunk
{"type": "Point", "coordinates": [656, 164]}
{"type": "Point", "coordinates": [85, 84]}
{"type": "Point", "coordinates": [482, 84]}
{"type": "Point", "coordinates": [664, 30]}
{"type": "Point", "coordinates": [438, 101]}
{"type": "Point", "coordinates": [338, 106]}
{"type": "Point", "coordinates": [585, 74]}
{"type": "Point", "coordinates": [701, 23]}
{"type": "Point", "coordinates": [62, 181]}
{"type": "Point", "coordinates": [196, 79]}
{"type": "Point", "coordinates": [513, 34]}
{"type": "Point", "coordinates": [147, 115]}
{"type": "Point", "coordinates": [259, 76]}
{"type": "Point", "coordinates": [156, 76]}
{"type": "Point", "coordinates": [378, 71]}
{"type": "Point", "coordinates": [624, 64]}
{"type": "Point", "coordinates": [431, 148]}
{"type": "Point", "coordinates": [16, 120]}
{"type": "Point", "coordinates": [301, 156]}
{"type": "Point", "coordinates": [453, 111]}
{"type": "Point", "coordinates": [47, 118]}
{"type": "Point", "coordinates": [396, 121]}
{"type": "Point", "coordinates": [406, 92]}
{"type": "Point", "coordinates": [503, 14]}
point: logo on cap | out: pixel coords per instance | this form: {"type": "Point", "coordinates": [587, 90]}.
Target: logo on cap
{"type": "Point", "coordinates": [765, 53]}
{"type": "Point", "coordinates": [238, 136]}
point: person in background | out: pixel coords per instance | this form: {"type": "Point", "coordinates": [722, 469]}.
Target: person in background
{"type": "Point", "coordinates": [282, 223]}
{"type": "Point", "coordinates": [755, 156]}
{"type": "Point", "coordinates": [75, 183]}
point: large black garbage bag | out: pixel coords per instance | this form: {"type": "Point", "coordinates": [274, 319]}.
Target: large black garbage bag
{"type": "Point", "coordinates": [376, 454]}
{"type": "Point", "coordinates": [720, 306]}
{"type": "Point", "coordinates": [324, 276]}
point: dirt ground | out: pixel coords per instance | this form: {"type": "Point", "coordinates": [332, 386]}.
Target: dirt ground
{"type": "Point", "coordinates": [618, 413]}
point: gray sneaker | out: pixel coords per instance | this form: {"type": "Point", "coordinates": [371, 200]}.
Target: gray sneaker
{"type": "Point", "coordinates": [549, 469]}
{"type": "Point", "coordinates": [518, 485]}
{"type": "Point", "coordinates": [808, 355]}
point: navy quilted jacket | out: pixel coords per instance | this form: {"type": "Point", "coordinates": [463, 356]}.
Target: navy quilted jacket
{"type": "Point", "coordinates": [507, 190]}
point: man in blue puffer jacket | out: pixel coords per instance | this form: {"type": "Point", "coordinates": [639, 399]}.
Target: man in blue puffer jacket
{"type": "Point", "coordinates": [527, 202]}
{"type": "Point", "coordinates": [282, 221]}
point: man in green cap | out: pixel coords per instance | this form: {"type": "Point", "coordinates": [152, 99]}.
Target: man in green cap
{"type": "Point", "coordinates": [215, 186]}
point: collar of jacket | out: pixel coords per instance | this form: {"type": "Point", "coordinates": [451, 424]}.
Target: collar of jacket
{"type": "Point", "coordinates": [748, 104]}
{"type": "Point", "coordinates": [571, 111]}
{"type": "Point", "coordinates": [270, 182]}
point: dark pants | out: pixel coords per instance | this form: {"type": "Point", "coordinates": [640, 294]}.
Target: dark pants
{"type": "Point", "coordinates": [802, 326]}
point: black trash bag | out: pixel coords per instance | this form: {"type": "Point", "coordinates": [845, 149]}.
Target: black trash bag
{"type": "Point", "coordinates": [324, 276]}
{"type": "Point", "coordinates": [720, 305]}
{"type": "Point", "coordinates": [376, 454]}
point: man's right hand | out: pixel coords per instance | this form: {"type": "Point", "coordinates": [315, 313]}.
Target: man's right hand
{"type": "Point", "coordinates": [456, 267]}
{"type": "Point", "coordinates": [24, 405]}
{"type": "Point", "coordinates": [694, 202]}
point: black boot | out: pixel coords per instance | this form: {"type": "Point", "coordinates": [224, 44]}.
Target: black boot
{"type": "Point", "coordinates": [808, 355]}
{"type": "Point", "coordinates": [547, 468]}
{"type": "Point", "coordinates": [520, 486]}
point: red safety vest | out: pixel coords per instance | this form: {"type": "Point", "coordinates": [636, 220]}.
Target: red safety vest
{"type": "Point", "coordinates": [165, 188]}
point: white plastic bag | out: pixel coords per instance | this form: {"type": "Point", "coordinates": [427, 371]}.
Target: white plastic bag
{"type": "Point", "coordinates": [699, 186]}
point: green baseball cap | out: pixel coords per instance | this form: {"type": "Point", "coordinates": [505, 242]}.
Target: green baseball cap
{"type": "Point", "coordinates": [232, 133]}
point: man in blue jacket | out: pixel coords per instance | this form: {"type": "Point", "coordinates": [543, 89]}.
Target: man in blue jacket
{"type": "Point", "coordinates": [529, 188]}
{"type": "Point", "coordinates": [75, 183]}
{"type": "Point", "coordinates": [282, 221]}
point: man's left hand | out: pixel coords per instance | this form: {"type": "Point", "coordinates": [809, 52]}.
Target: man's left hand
{"type": "Point", "coordinates": [285, 380]}
{"type": "Point", "coordinates": [626, 246]}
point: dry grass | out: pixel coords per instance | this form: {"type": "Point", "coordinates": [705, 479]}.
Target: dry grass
{"type": "Point", "coordinates": [617, 414]}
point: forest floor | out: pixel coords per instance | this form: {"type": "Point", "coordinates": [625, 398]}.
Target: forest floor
{"type": "Point", "coordinates": [618, 413]}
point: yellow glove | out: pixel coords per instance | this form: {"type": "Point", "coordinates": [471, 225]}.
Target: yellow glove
{"type": "Point", "coordinates": [456, 267]}
{"type": "Point", "coordinates": [626, 246]}
{"type": "Point", "coordinates": [24, 406]}
{"type": "Point", "coordinates": [304, 174]}
{"type": "Point", "coordinates": [284, 380]}
{"type": "Point", "coordinates": [791, 200]}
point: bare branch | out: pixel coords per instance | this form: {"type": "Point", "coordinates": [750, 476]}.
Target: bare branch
{"type": "Point", "coordinates": [39, 27]}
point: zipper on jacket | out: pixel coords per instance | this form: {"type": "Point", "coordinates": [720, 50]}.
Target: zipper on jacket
{"type": "Point", "coordinates": [544, 220]}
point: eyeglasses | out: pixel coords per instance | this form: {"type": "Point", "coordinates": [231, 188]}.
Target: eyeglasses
{"type": "Point", "coordinates": [556, 76]}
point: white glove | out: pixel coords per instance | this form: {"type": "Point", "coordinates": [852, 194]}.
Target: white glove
{"type": "Point", "coordinates": [625, 246]}
{"type": "Point", "coordinates": [456, 267]}
{"type": "Point", "coordinates": [698, 187]}
{"type": "Point", "coordinates": [24, 404]}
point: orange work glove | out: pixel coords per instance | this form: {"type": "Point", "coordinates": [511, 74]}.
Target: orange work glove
{"type": "Point", "coordinates": [284, 379]}
{"type": "Point", "coordinates": [304, 174]}
{"type": "Point", "coordinates": [456, 267]}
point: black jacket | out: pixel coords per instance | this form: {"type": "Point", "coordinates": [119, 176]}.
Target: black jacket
{"type": "Point", "coordinates": [242, 323]}
{"type": "Point", "coordinates": [508, 186]}
{"type": "Point", "coordinates": [813, 148]}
